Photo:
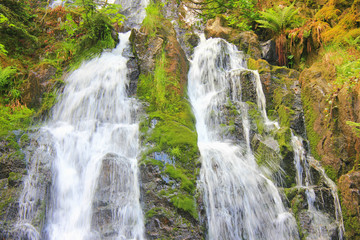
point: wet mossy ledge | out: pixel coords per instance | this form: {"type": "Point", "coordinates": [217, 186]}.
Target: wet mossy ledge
{"type": "Point", "coordinates": [169, 164]}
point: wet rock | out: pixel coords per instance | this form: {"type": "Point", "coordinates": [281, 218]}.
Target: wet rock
{"type": "Point", "coordinates": [267, 153]}
{"type": "Point", "coordinates": [11, 157]}
{"type": "Point", "coordinates": [36, 176]}
{"type": "Point", "coordinates": [146, 52]}
{"type": "Point", "coordinates": [326, 112]}
{"type": "Point", "coordinates": [193, 40]}
{"type": "Point", "coordinates": [163, 219]}
{"type": "Point", "coordinates": [215, 28]}
{"type": "Point", "coordinates": [268, 52]}
{"type": "Point", "coordinates": [113, 188]}
{"type": "Point", "coordinates": [248, 86]}
{"type": "Point", "coordinates": [283, 94]}
{"type": "Point", "coordinates": [349, 185]}
{"type": "Point", "coordinates": [247, 42]}
{"type": "Point", "coordinates": [164, 184]}
{"type": "Point", "coordinates": [36, 84]}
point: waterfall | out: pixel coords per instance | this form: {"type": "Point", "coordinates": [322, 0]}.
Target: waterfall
{"type": "Point", "coordinates": [93, 138]}
{"type": "Point", "coordinates": [320, 222]}
{"type": "Point", "coordinates": [241, 203]}
{"type": "Point", "coordinates": [94, 121]}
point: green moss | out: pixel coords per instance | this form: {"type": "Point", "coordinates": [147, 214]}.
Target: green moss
{"type": "Point", "coordinates": [310, 118]}
{"type": "Point", "coordinates": [331, 173]}
{"type": "Point", "coordinates": [290, 193]}
{"type": "Point", "coordinates": [185, 203]}
{"type": "Point", "coordinates": [153, 18]}
{"type": "Point", "coordinates": [255, 116]}
{"type": "Point", "coordinates": [14, 119]}
{"type": "Point", "coordinates": [24, 140]}
{"type": "Point", "coordinates": [14, 176]}
{"type": "Point", "coordinates": [283, 136]}
{"type": "Point", "coordinates": [284, 115]}
{"type": "Point", "coordinates": [11, 142]}
{"type": "Point", "coordinates": [153, 162]}
{"type": "Point", "coordinates": [296, 204]}
{"type": "Point", "coordinates": [178, 174]}
{"type": "Point", "coordinates": [156, 211]}
{"type": "Point", "coordinates": [4, 204]}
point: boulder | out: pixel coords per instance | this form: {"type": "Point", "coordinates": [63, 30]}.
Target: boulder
{"type": "Point", "coordinates": [37, 83]}
{"type": "Point", "coordinates": [248, 42]}
{"type": "Point", "coordinates": [215, 28]}
{"type": "Point", "coordinates": [349, 185]}
{"type": "Point", "coordinates": [268, 52]}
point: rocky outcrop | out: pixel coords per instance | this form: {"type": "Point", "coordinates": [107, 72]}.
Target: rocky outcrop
{"type": "Point", "coordinates": [247, 41]}
{"type": "Point", "coordinates": [327, 110]}
{"type": "Point", "coordinates": [349, 185]}
{"type": "Point", "coordinates": [215, 28]}
{"type": "Point", "coordinates": [332, 140]}
{"type": "Point", "coordinates": [112, 193]}
{"type": "Point", "coordinates": [26, 190]}
{"type": "Point", "coordinates": [168, 166]}
{"type": "Point", "coordinates": [37, 83]}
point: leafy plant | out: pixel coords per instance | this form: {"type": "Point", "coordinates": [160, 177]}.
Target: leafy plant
{"type": "Point", "coordinates": [12, 118]}
{"type": "Point", "coordinates": [355, 127]}
{"type": "Point", "coordinates": [6, 74]}
{"type": "Point", "coordinates": [153, 19]}
{"type": "Point", "coordinates": [240, 14]}
{"type": "Point", "coordinates": [279, 21]}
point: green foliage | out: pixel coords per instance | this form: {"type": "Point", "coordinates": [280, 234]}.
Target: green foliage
{"type": "Point", "coordinates": [355, 127]}
{"type": "Point", "coordinates": [185, 203]}
{"type": "Point", "coordinates": [112, 11]}
{"type": "Point", "coordinates": [158, 89]}
{"type": "Point", "coordinates": [331, 173]}
{"type": "Point", "coordinates": [240, 14]}
{"type": "Point", "coordinates": [153, 19]}
{"type": "Point", "coordinates": [6, 75]}
{"type": "Point", "coordinates": [16, 26]}
{"type": "Point", "coordinates": [14, 118]}
{"type": "Point", "coordinates": [177, 174]}
{"type": "Point", "coordinates": [279, 21]}
{"type": "Point", "coordinates": [3, 50]}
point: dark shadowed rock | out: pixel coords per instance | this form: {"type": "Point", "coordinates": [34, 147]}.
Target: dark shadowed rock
{"type": "Point", "coordinates": [268, 52]}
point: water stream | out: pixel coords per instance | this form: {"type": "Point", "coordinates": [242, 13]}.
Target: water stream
{"type": "Point", "coordinates": [94, 119]}
{"type": "Point", "coordinates": [321, 223]}
{"type": "Point", "coordinates": [94, 139]}
{"type": "Point", "coordinates": [241, 203]}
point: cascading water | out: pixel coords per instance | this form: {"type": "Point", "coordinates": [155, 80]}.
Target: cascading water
{"type": "Point", "coordinates": [241, 203]}
{"type": "Point", "coordinates": [320, 222]}
{"type": "Point", "coordinates": [94, 133]}
{"type": "Point", "coordinates": [95, 119]}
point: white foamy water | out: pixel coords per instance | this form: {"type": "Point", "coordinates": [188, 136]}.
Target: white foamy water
{"type": "Point", "coordinates": [321, 224]}
{"type": "Point", "coordinates": [241, 203]}
{"type": "Point", "coordinates": [93, 136]}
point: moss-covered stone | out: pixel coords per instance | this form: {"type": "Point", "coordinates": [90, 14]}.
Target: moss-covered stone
{"type": "Point", "coordinates": [170, 159]}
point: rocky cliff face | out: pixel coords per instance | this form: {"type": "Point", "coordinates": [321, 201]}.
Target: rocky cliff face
{"type": "Point", "coordinates": [332, 140]}
{"type": "Point", "coordinates": [168, 168]}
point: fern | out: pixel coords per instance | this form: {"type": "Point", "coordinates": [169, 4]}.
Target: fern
{"type": "Point", "coordinates": [6, 75]}
{"type": "Point", "coordinates": [279, 21]}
